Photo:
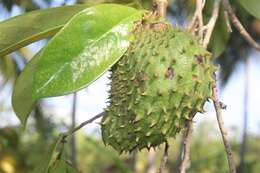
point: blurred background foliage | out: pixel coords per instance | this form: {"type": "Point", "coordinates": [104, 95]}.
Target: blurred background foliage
{"type": "Point", "coordinates": [20, 152]}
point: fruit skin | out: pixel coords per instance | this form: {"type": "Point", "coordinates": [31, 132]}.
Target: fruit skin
{"type": "Point", "coordinates": [160, 83]}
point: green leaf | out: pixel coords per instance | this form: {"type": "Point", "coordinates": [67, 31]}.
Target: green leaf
{"type": "Point", "coordinates": [49, 158]}
{"type": "Point", "coordinates": [84, 49]}
{"type": "Point", "coordinates": [22, 30]}
{"type": "Point", "coordinates": [22, 99]}
{"type": "Point", "coordinates": [61, 166]}
{"type": "Point", "coordinates": [53, 161]}
{"type": "Point", "coordinates": [220, 37]}
{"type": "Point", "coordinates": [252, 7]}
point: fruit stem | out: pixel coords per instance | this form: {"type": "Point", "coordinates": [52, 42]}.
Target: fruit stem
{"type": "Point", "coordinates": [160, 7]}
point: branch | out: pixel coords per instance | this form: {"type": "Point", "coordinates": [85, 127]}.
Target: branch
{"type": "Point", "coordinates": [186, 148]}
{"type": "Point", "coordinates": [161, 7]}
{"type": "Point", "coordinates": [197, 20]}
{"type": "Point", "coordinates": [226, 17]}
{"type": "Point", "coordinates": [164, 158]}
{"type": "Point", "coordinates": [206, 38]}
{"type": "Point", "coordinates": [63, 137]}
{"type": "Point", "coordinates": [151, 163]}
{"type": "Point", "coordinates": [71, 132]}
{"type": "Point", "coordinates": [200, 6]}
{"type": "Point", "coordinates": [239, 26]}
{"type": "Point", "coordinates": [218, 106]}
{"type": "Point", "coordinates": [243, 148]}
{"type": "Point", "coordinates": [211, 24]}
{"type": "Point", "coordinates": [223, 130]}
{"type": "Point", "coordinates": [73, 138]}
{"type": "Point", "coordinates": [132, 160]}
{"type": "Point", "coordinates": [192, 23]}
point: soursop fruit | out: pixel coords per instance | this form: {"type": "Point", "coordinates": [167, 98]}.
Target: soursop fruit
{"type": "Point", "coordinates": [160, 83]}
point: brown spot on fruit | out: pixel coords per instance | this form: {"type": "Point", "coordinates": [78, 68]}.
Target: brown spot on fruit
{"type": "Point", "coordinates": [141, 78]}
{"type": "Point", "coordinates": [199, 58]}
{"type": "Point", "coordinates": [194, 77]}
{"type": "Point", "coordinates": [132, 118]}
{"type": "Point", "coordinates": [158, 26]}
{"type": "Point", "coordinates": [182, 51]}
{"type": "Point", "coordinates": [169, 73]}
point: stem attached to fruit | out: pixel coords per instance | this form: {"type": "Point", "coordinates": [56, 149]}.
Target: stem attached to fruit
{"type": "Point", "coordinates": [196, 24]}
{"type": "Point", "coordinates": [160, 6]}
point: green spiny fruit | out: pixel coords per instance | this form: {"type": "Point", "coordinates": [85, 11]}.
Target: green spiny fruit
{"type": "Point", "coordinates": [160, 83]}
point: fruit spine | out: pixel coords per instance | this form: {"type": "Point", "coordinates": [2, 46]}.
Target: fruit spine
{"type": "Point", "coordinates": [160, 83]}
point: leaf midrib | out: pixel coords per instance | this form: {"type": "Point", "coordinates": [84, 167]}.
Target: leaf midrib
{"type": "Point", "coordinates": [67, 63]}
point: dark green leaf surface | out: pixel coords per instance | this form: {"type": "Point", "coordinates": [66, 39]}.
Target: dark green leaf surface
{"type": "Point", "coordinates": [61, 166]}
{"type": "Point", "coordinates": [48, 158]}
{"type": "Point", "coordinates": [22, 99]}
{"type": "Point", "coordinates": [252, 7]}
{"type": "Point", "coordinates": [22, 30]}
{"type": "Point", "coordinates": [84, 49]}
{"type": "Point", "coordinates": [220, 37]}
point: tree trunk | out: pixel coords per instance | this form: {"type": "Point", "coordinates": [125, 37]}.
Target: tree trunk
{"type": "Point", "coordinates": [151, 167]}
{"type": "Point", "coordinates": [243, 148]}
{"type": "Point", "coordinates": [73, 124]}
{"type": "Point", "coordinates": [133, 161]}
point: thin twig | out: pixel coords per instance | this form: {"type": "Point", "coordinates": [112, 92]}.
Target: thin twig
{"type": "Point", "coordinates": [223, 130]}
{"type": "Point", "coordinates": [164, 158]}
{"type": "Point", "coordinates": [193, 21]}
{"type": "Point", "coordinates": [151, 164]}
{"type": "Point", "coordinates": [63, 137]}
{"type": "Point", "coordinates": [226, 17]}
{"type": "Point", "coordinates": [211, 24]}
{"type": "Point", "coordinates": [186, 148]}
{"type": "Point", "coordinates": [69, 133]}
{"type": "Point", "coordinates": [208, 33]}
{"type": "Point", "coordinates": [132, 161]}
{"type": "Point", "coordinates": [239, 26]}
{"type": "Point", "coordinates": [197, 20]}
{"type": "Point", "coordinates": [218, 106]}
{"type": "Point", "coordinates": [196, 24]}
